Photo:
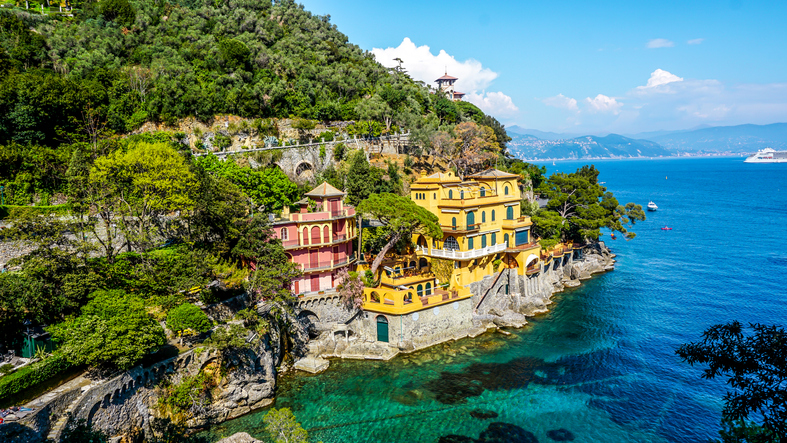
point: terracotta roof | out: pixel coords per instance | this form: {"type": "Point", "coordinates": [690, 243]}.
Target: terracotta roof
{"type": "Point", "coordinates": [325, 190]}
{"type": "Point", "coordinates": [439, 177]}
{"type": "Point", "coordinates": [447, 77]}
{"type": "Point", "coordinates": [494, 173]}
{"type": "Point", "coordinates": [460, 94]}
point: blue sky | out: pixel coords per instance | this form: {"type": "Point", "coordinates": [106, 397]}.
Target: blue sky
{"type": "Point", "coordinates": [588, 67]}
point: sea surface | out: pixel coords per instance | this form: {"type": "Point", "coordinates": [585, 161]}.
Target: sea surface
{"type": "Point", "coordinates": [601, 364]}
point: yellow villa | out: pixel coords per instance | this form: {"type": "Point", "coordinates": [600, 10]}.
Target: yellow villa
{"type": "Point", "coordinates": [483, 234]}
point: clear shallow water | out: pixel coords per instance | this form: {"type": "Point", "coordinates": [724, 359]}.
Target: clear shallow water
{"type": "Point", "coordinates": [601, 363]}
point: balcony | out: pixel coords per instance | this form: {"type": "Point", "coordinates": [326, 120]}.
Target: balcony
{"type": "Point", "coordinates": [461, 228]}
{"type": "Point", "coordinates": [294, 244]}
{"type": "Point", "coordinates": [329, 264]}
{"type": "Point", "coordinates": [516, 222]}
{"type": "Point", "coordinates": [452, 254]}
{"type": "Point", "coordinates": [308, 217]}
{"type": "Point", "coordinates": [400, 301]}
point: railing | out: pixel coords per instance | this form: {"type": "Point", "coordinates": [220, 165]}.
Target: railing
{"type": "Point", "coordinates": [462, 255]}
{"type": "Point", "coordinates": [328, 264]}
{"type": "Point", "coordinates": [291, 244]}
{"type": "Point", "coordinates": [454, 228]}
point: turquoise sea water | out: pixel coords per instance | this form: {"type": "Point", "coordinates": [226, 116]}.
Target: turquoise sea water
{"type": "Point", "coordinates": [601, 363]}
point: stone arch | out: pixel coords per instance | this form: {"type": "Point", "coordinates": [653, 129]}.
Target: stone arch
{"type": "Point", "coordinates": [309, 315]}
{"type": "Point", "coordinates": [92, 413]}
{"type": "Point", "coordinates": [304, 167]}
{"type": "Point", "coordinates": [106, 401]}
{"type": "Point", "coordinates": [374, 297]}
{"type": "Point", "coordinates": [421, 241]}
{"type": "Point", "coordinates": [423, 263]}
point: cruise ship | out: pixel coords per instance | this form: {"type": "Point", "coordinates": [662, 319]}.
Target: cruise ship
{"type": "Point", "coordinates": [767, 155]}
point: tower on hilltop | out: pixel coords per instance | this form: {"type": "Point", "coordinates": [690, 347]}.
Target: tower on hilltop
{"type": "Point", "coordinates": [446, 85]}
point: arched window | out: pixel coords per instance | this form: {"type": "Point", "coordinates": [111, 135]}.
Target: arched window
{"type": "Point", "coordinates": [494, 238]}
{"type": "Point", "coordinates": [428, 289]}
{"type": "Point", "coordinates": [451, 244]}
{"type": "Point", "coordinates": [483, 241]}
{"type": "Point", "coordinates": [453, 223]}
{"type": "Point", "coordinates": [375, 297]}
{"type": "Point", "coordinates": [408, 298]}
{"type": "Point", "coordinates": [510, 213]}
{"type": "Point", "coordinates": [284, 234]}
{"type": "Point", "coordinates": [326, 235]}
{"type": "Point", "coordinates": [470, 220]}
{"type": "Point", "coordinates": [423, 263]}
{"type": "Point", "coordinates": [505, 190]}
{"type": "Point", "coordinates": [483, 191]}
{"type": "Point", "coordinates": [462, 195]}
{"type": "Point", "coordinates": [483, 216]}
{"type": "Point", "coordinates": [305, 236]}
{"type": "Point", "coordinates": [420, 291]}
{"type": "Point", "coordinates": [505, 240]}
{"type": "Point", "coordinates": [493, 215]}
{"type": "Point", "coordinates": [451, 193]}
{"type": "Point", "coordinates": [315, 235]}
{"type": "Point", "coordinates": [470, 243]}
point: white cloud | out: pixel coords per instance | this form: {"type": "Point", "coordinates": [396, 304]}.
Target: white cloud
{"type": "Point", "coordinates": [695, 41]}
{"type": "Point", "coordinates": [660, 77]}
{"type": "Point", "coordinates": [660, 43]}
{"type": "Point", "coordinates": [422, 65]}
{"type": "Point", "coordinates": [562, 102]}
{"type": "Point", "coordinates": [603, 104]}
{"type": "Point", "coordinates": [495, 103]}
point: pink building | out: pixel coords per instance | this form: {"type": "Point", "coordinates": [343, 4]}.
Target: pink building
{"type": "Point", "coordinates": [321, 241]}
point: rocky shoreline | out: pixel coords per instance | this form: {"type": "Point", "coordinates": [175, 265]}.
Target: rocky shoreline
{"type": "Point", "coordinates": [125, 406]}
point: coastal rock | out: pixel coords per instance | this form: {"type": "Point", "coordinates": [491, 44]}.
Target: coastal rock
{"type": "Point", "coordinates": [240, 437]}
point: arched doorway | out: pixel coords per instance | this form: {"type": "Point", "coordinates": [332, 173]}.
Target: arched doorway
{"type": "Point", "coordinates": [382, 328]}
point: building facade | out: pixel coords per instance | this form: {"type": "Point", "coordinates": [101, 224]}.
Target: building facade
{"type": "Point", "coordinates": [446, 85]}
{"type": "Point", "coordinates": [426, 293]}
{"type": "Point", "coordinates": [319, 238]}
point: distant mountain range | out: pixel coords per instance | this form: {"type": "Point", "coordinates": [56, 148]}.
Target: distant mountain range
{"type": "Point", "coordinates": [534, 144]}
{"type": "Point", "coordinates": [588, 146]}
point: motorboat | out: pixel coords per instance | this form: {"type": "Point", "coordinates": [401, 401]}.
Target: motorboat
{"type": "Point", "coordinates": [666, 228]}
{"type": "Point", "coordinates": [652, 206]}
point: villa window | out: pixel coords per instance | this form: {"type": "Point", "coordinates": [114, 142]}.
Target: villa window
{"type": "Point", "coordinates": [510, 213]}
{"type": "Point", "coordinates": [505, 239]}
{"type": "Point", "coordinates": [505, 190]}
{"type": "Point", "coordinates": [483, 216]}
{"type": "Point", "coordinates": [434, 195]}
{"type": "Point", "coordinates": [461, 195]}
{"type": "Point", "coordinates": [494, 238]}
{"type": "Point", "coordinates": [493, 215]}
{"type": "Point", "coordinates": [283, 234]}
{"type": "Point", "coordinates": [450, 193]}
{"type": "Point", "coordinates": [483, 192]}
{"type": "Point", "coordinates": [428, 289]}
{"type": "Point", "coordinates": [483, 241]}
{"type": "Point", "coordinates": [453, 223]}
{"type": "Point", "coordinates": [470, 243]}
{"type": "Point", "coordinates": [451, 244]}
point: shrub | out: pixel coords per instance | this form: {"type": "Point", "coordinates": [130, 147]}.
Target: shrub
{"type": "Point", "coordinates": [188, 316]}
{"type": "Point", "coordinates": [32, 375]}
{"type": "Point", "coordinates": [119, 11]}
{"type": "Point", "coordinates": [222, 141]}
{"type": "Point", "coordinates": [339, 152]}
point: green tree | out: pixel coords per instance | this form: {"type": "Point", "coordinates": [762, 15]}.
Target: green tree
{"type": "Point", "coordinates": [283, 427]}
{"type": "Point", "coordinates": [113, 330]}
{"type": "Point", "coordinates": [357, 182]}
{"type": "Point", "coordinates": [402, 217]}
{"type": "Point", "coordinates": [188, 316]}
{"type": "Point", "coordinates": [579, 207]}
{"type": "Point", "coordinates": [144, 185]}
{"type": "Point", "coordinates": [754, 364]}
{"type": "Point", "coordinates": [119, 11]}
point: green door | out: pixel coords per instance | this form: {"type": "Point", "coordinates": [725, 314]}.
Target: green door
{"type": "Point", "coordinates": [382, 328]}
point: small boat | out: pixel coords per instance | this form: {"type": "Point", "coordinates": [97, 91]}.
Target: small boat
{"type": "Point", "coordinates": [666, 228]}
{"type": "Point", "coordinates": [652, 206]}
{"type": "Point", "coordinates": [613, 236]}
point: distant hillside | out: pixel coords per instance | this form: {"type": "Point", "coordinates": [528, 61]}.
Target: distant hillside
{"type": "Point", "coordinates": [589, 146]}
{"type": "Point", "coordinates": [539, 134]}
{"type": "Point", "coordinates": [741, 138]}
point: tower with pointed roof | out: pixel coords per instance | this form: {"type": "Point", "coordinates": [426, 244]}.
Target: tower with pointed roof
{"type": "Point", "coordinates": [319, 238]}
{"type": "Point", "coordinates": [446, 85]}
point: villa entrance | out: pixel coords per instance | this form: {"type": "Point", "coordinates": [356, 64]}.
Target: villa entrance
{"type": "Point", "coordinates": [382, 328]}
